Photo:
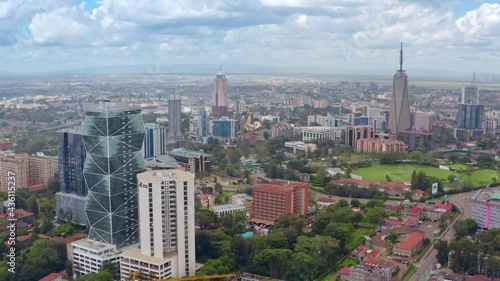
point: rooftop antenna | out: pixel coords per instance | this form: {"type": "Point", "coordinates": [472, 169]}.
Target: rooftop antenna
{"type": "Point", "coordinates": [401, 58]}
{"type": "Point", "coordinates": [474, 78]}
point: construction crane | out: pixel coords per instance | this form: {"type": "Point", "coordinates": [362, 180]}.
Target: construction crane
{"type": "Point", "coordinates": [189, 278]}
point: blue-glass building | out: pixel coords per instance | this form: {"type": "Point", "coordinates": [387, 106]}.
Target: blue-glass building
{"type": "Point", "coordinates": [113, 134]}
{"type": "Point", "coordinates": [224, 128]}
{"type": "Point", "coordinates": [70, 201]}
{"type": "Point", "coordinates": [155, 140]}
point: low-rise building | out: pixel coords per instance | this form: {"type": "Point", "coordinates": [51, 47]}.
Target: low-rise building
{"type": "Point", "coordinates": [23, 219]}
{"type": "Point", "coordinates": [227, 209]}
{"type": "Point", "coordinates": [207, 200]}
{"type": "Point", "coordinates": [409, 246]}
{"type": "Point", "coordinates": [244, 200]}
{"type": "Point", "coordinates": [191, 160]}
{"type": "Point", "coordinates": [89, 256]}
{"type": "Point", "coordinates": [395, 188]}
{"type": "Point", "coordinates": [292, 147]}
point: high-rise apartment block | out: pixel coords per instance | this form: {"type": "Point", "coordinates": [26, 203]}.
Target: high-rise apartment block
{"type": "Point", "coordinates": [219, 95]}
{"type": "Point", "coordinates": [166, 223]}
{"type": "Point", "coordinates": [421, 121]}
{"type": "Point", "coordinates": [41, 169]}
{"type": "Point", "coordinates": [239, 106]}
{"type": "Point", "coordinates": [278, 197]}
{"type": "Point", "coordinates": [16, 164]}
{"type": "Point", "coordinates": [155, 140]}
{"type": "Point", "coordinates": [113, 134]}
{"type": "Point", "coordinates": [399, 113]}
{"type": "Point", "coordinates": [32, 172]}
{"type": "Point", "coordinates": [73, 195]}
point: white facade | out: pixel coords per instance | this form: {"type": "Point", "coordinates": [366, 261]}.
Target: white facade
{"type": "Point", "coordinates": [88, 256]}
{"type": "Point", "coordinates": [292, 147]}
{"type": "Point", "coordinates": [320, 133]}
{"type": "Point", "coordinates": [166, 225]}
{"type": "Point", "coordinates": [227, 209]}
{"type": "Point", "coordinates": [155, 140]}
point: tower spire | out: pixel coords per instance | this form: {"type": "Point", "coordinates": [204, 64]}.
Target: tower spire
{"type": "Point", "coordinates": [401, 58]}
{"type": "Point", "coordinates": [474, 78]}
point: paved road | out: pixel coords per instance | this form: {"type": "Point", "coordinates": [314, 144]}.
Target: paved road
{"type": "Point", "coordinates": [459, 200]}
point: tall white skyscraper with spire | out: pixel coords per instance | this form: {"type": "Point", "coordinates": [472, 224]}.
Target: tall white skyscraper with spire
{"type": "Point", "coordinates": [219, 95]}
{"type": "Point", "coordinates": [399, 112]}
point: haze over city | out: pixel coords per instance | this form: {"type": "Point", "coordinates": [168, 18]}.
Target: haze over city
{"type": "Point", "coordinates": [313, 36]}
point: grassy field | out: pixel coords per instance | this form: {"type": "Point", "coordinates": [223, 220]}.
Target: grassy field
{"type": "Point", "coordinates": [458, 166]}
{"type": "Point", "coordinates": [402, 172]}
{"type": "Point", "coordinates": [357, 237]}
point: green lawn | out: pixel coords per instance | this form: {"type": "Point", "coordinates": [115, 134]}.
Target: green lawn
{"type": "Point", "coordinates": [348, 263]}
{"type": "Point", "coordinates": [402, 172]}
{"type": "Point", "coordinates": [226, 195]}
{"type": "Point", "coordinates": [399, 172]}
{"type": "Point", "coordinates": [458, 166]}
{"type": "Point", "coordinates": [357, 237]}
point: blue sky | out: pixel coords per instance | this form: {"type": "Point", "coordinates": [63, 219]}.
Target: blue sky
{"type": "Point", "coordinates": [354, 35]}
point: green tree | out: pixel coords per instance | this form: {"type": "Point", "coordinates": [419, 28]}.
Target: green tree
{"type": "Point", "coordinates": [355, 203]}
{"type": "Point", "coordinates": [442, 247]}
{"type": "Point", "coordinates": [465, 228]}
{"type": "Point", "coordinates": [102, 275]}
{"type": "Point", "coordinates": [218, 189]}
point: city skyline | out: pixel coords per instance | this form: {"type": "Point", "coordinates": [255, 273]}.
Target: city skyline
{"type": "Point", "coordinates": [61, 35]}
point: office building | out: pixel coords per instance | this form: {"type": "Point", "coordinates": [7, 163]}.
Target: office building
{"type": "Point", "coordinates": [166, 216]}
{"type": "Point", "coordinates": [278, 197]}
{"type": "Point", "coordinates": [469, 121]}
{"type": "Point", "coordinates": [199, 125]}
{"type": "Point", "coordinates": [227, 209]}
{"type": "Point", "coordinates": [73, 195]}
{"type": "Point", "coordinates": [355, 133]}
{"type": "Point", "coordinates": [89, 256]}
{"type": "Point", "coordinates": [470, 94]}
{"type": "Point", "coordinates": [219, 95]}
{"type": "Point", "coordinates": [292, 147]}
{"type": "Point", "coordinates": [294, 101]}
{"type": "Point", "coordinates": [282, 130]}
{"type": "Point", "coordinates": [17, 164]}
{"type": "Point", "coordinates": [320, 133]}
{"type": "Point", "coordinates": [113, 134]}
{"type": "Point", "coordinates": [409, 246]}
{"type": "Point", "coordinates": [491, 126]}
{"type": "Point", "coordinates": [191, 160]}
{"type": "Point", "coordinates": [421, 121]}
{"type": "Point", "coordinates": [399, 112]}
{"type": "Point", "coordinates": [486, 208]}
{"type": "Point", "coordinates": [174, 119]}
{"type": "Point", "coordinates": [155, 140]}
{"type": "Point", "coordinates": [224, 128]}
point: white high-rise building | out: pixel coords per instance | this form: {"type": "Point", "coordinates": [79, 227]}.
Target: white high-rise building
{"type": "Point", "coordinates": [166, 226]}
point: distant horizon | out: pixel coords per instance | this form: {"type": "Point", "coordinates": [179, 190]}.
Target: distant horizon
{"type": "Point", "coordinates": [354, 36]}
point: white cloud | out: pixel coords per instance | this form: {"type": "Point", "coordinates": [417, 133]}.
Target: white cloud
{"type": "Point", "coordinates": [283, 32]}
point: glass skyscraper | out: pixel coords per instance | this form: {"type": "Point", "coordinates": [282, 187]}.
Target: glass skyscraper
{"type": "Point", "coordinates": [71, 158]}
{"type": "Point", "coordinates": [70, 202]}
{"type": "Point", "coordinates": [113, 134]}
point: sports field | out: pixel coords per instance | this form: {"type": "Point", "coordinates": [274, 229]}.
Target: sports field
{"type": "Point", "coordinates": [402, 172]}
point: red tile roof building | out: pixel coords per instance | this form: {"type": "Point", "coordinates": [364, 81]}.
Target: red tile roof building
{"type": "Point", "coordinates": [53, 277]}
{"type": "Point", "coordinates": [278, 197]}
{"type": "Point", "coordinates": [409, 246]}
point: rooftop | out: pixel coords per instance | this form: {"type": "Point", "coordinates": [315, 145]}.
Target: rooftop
{"type": "Point", "coordinates": [106, 106]}
{"type": "Point", "coordinates": [414, 211]}
{"type": "Point", "coordinates": [135, 254]}
{"type": "Point", "coordinates": [51, 277]}
{"type": "Point", "coordinates": [93, 245]}
{"type": "Point", "coordinates": [73, 130]}
{"type": "Point", "coordinates": [227, 207]}
{"type": "Point", "coordinates": [156, 175]}
{"type": "Point", "coordinates": [410, 242]}
{"type": "Point", "coordinates": [187, 152]}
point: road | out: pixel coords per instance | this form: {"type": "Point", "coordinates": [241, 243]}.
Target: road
{"type": "Point", "coordinates": [459, 200]}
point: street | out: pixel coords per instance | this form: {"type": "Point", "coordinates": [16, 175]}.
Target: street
{"type": "Point", "coordinates": [459, 200]}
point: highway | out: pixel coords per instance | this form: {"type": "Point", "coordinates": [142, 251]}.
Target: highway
{"type": "Point", "coordinates": [459, 200]}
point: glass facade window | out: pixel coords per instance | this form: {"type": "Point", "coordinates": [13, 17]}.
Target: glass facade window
{"type": "Point", "coordinates": [113, 135]}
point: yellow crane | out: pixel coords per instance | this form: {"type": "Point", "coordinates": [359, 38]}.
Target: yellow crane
{"type": "Point", "coordinates": [189, 278]}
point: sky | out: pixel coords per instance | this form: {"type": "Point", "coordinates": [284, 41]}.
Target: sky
{"type": "Point", "coordinates": [357, 35]}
